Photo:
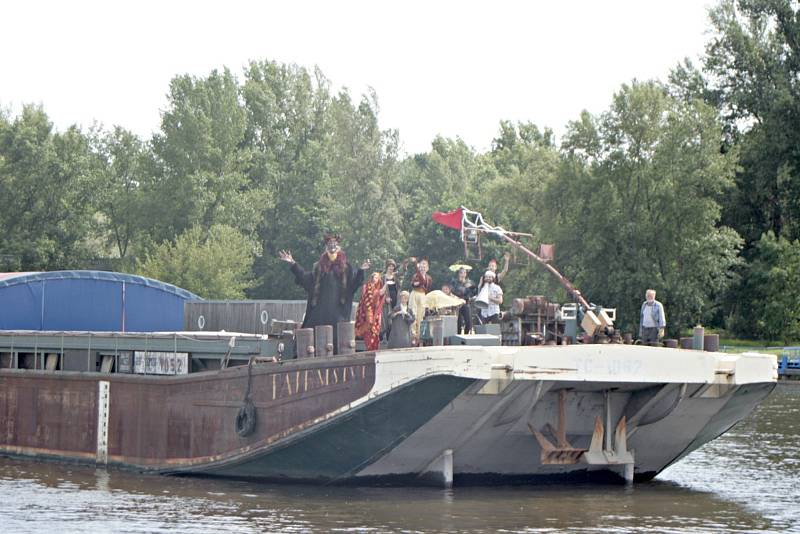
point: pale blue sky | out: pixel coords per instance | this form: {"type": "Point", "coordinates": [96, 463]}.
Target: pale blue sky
{"type": "Point", "coordinates": [449, 68]}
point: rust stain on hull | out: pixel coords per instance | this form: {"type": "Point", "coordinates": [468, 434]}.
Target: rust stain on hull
{"type": "Point", "coordinates": [169, 423]}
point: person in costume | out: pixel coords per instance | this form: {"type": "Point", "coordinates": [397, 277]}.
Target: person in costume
{"type": "Point", "coordinates": [492, 266]}
{"type": "Point", "coordinates": [421, 283]}
{"type": "Point", "coordinates": [465, 289]}
{"type": "Point", "coordinates": [370, 310]}
{"type": "Point", "coordinates": [491, 314]}
{"type": "Point", "coordinates": [391, 283]}
{"type": "Point", "coordinates": [402, 317]}
{"type": "Point", "coordinates": [330, 285]}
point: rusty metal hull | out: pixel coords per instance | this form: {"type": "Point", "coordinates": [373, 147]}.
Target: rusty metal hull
{"type": "Point", "coordinates": [166, 424]}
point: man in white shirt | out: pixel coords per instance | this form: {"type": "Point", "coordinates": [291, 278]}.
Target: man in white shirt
{"type": "Point", "coordinates": [652, 319]}
{"type": "Point", "coordinates": [491, 314]}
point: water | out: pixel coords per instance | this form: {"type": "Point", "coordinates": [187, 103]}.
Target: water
{"type": "Point", "coordinates": [746, 481]}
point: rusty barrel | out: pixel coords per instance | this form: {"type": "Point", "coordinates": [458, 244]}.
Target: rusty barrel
{"type": "Point", "coordinates": [346, 337]}
{"type": "Point", "coordinates": [323, 340]}
{"type": "Point", "coordinates": [671, 343]}
{"type": "Point", "coordinates": [533, 305]}
{"type": "Point", "coordinates": [711, 342]}
{"type": "Point", "coordinates": [304, 339]}
{"type": "Point", "coordinates": [518, 306]}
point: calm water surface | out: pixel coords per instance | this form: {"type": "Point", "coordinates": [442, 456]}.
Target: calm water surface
{"type": "Point", "coordinates": [746, 481]}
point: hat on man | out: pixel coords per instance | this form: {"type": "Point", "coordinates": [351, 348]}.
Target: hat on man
{"type": "Point", "coordinates": [489, 273]}
{"type": "Point", "coordinates": [331, 237]}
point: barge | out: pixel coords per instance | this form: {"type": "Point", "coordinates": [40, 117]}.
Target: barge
{"type": "Point", "coordinates": [173, 403]}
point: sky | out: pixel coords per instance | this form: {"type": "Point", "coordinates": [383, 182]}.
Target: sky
{"type": "Point", "coordinates": [446, 68]}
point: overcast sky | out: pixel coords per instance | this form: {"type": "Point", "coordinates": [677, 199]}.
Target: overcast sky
{"type": "Point", "coordinates": [448, 68]}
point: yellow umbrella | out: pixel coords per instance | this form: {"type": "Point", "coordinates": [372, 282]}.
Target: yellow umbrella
{"type": "Point", "coordinates": [457, 266]}
{"type": "Point", "coordinates": [438, 299]}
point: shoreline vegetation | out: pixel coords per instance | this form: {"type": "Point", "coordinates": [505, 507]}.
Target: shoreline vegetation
{"type": "Point", "coordinates": [687, 185]}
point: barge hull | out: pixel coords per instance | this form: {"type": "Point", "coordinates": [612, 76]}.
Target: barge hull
{"type": "Point", "coordinates": [420, 416]}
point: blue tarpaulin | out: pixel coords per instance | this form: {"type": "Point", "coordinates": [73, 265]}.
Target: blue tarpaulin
{"type": "Point", "coordinates": [90, 301]}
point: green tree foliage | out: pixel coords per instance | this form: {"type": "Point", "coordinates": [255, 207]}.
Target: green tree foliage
{"type": "Point", "coordinates": [443, 179]}
{"type": "Point", "coordinates": [361, 173]}
{"type": "Point", "coordinates": [214, 264]}
{"type": "Point", "coordinates": [287, 110]}
{"type": "Point", "coordinates": [122, 168]}
{"type": "Point", "coordinates": [47, 189]}
{"type": "Point", "coordinates": [637, 203]}
{"type": "Point", "coordinates": [769, 307]}
{"type": "Point", "coordinates": [750, 74]}
{"type": "Point", "coordinates": [526, 161]}
{"type": "Point", "coordinates": [752, 66]}
{"type": "Point", "coordinates": [203, 155]}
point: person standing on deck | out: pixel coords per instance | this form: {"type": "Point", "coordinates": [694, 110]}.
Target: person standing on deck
{"type": "Point", "coordinates": [491, 314]}
{"type": "Point", "coordinates": [492, 266]}
{"type": "Point", "coordinates": [370, 311]}
{"type": "Point", "coordinates": [330, 285]}
{"type": "Point", "coordinates": [390, 282]}
{"type": "Point", "coordinates": [402, 318]}
{"type": "Point", "coordinates": [463, 288]}
{"type": "Point", "coordinates": [421, 283]}
{"type": "Point", "coordinates": [652, 319]}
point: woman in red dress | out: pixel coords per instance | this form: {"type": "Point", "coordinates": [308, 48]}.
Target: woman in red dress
{"type": "Point", "coordinates": [370, 309]}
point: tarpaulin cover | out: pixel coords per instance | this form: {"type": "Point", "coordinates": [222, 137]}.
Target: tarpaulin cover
{"type": "Point", "coordinates": [90, 300]}
{"type": "Point", "coordinates": [449, 218]}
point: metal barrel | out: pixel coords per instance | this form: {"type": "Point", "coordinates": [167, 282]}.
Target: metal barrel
{"type": "Point", "coordinates": [686, 342]}
{"type": "Point", "coordinates": [346, 337]}
{"type": "Point", "coordinates": [304, 339]}
{"type": "Point", "coordinates": [711, 342]}
{"type": "Point", "coordinates": [437, 330]}
{"type": "Point", "coordinates": [323, 340]}
{"type": "Point", "coordinates": [698, 337]}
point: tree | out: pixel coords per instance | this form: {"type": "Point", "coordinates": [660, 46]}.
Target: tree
{"type": "Point", "coordinates": [47, 194]}
{"type": "Point", "coordinates": [769, 303]}
{"type": "Point", "coordinates": [215, 264]}
{"type": "Point", "coordinates": [637, 205]}
{"type": "Point", "coordinates": [123, 178]}
{"type": "Point", "coordinates": [287, 113]}
{"type": "Point", "coordinates": [751, 66]}
{"type": "Point", "coordinates": [204, 158]}
{"type": "Point", "coordinates": [361, 170]}
{"type": "Point", "coordinates": [441, 180]}
{"type": "Point", "coordinates": [526, 160]}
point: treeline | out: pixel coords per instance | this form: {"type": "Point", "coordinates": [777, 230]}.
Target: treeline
{"type": "Point", "coordinates": [690, 186]}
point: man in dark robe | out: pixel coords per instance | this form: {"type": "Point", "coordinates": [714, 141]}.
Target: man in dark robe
{"type": "Point", "coordinates": [330, 285]}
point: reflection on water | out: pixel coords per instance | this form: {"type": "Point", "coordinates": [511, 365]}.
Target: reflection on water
{"type": "Point", "coordinates": [745, 481]}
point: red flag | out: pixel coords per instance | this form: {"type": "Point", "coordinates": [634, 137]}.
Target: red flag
{"type": "Point", "coordinates": [451, 219]}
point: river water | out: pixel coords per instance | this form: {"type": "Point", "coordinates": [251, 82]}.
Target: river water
{"type": "Point", "coordinates": [746, 481]}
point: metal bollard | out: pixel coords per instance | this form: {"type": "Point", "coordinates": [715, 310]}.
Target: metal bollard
{"type": "Point", "coordinates": [437, 331]}
{"type": "Point", "coordinates": [346, 337]}
{"type": "Point", "coordinates": [304, 339]}
{"type": "Point", "coordinates": [711, 342]}
{"type": "Point", "coordinates": [697, 337]}
{"type": "Point", "coordinates": [323, 340]}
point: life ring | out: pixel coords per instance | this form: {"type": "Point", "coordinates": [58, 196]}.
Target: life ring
{"type": "Point", "coordinates": [246, 419]}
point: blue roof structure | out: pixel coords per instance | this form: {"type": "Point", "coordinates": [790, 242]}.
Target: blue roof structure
{"type": "Point", "coordinates": [90, 301]}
